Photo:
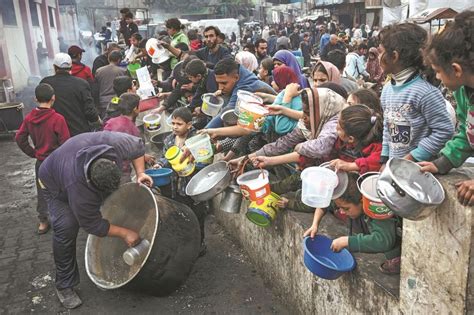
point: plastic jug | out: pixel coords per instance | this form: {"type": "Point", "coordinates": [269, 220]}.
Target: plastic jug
{"type": "Point", "coordinates": [318, 186]}
{"type": "Point", "coordinates": [185, 168]}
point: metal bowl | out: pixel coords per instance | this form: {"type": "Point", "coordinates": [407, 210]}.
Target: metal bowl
{"type": "Point", "coordinates": [158, 140]}
{"type": "Point", "coordinates": [343, 181]}
{"type": "Point", "coordinates": [407, 191]}
{"type": "Point", "coordinates": [209, 182]}
{"type": "Point", "coordinates": [229, 118]}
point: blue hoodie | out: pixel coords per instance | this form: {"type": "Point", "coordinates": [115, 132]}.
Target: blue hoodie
{"type": "Point", "coordinates": [64, 173]}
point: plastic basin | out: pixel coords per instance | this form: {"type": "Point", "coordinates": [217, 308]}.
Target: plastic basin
{"type": "Point", "coordinates": [132, 69]}
{"type": "Point", "coordinates": [322, 261]}
{"type": "Point", "coordinates": [160, 176]}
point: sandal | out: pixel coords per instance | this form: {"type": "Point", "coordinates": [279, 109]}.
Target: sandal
{"type": "Point", "coordinates": [391, 266]}
{"type": "Point", "coordinates": [43, 230]}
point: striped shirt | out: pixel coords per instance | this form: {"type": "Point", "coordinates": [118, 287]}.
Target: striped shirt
{"type": "Point", "coordinates": [415, 120]}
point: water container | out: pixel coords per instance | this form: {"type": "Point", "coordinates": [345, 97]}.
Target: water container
{"type": "Point", "coordinates": [245, 97]}
{"type": "Point", "coordinates": [318, 186]}
{"type": "Point", "coordinates": [211, 105]}
{"type": "Point", "coordinates": [200, 147]}
{"type": "Point", "coordinates": [254, 184]}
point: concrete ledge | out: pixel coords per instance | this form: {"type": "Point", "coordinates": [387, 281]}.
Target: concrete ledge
{"type": "Point", "coordinates": [435, 262]}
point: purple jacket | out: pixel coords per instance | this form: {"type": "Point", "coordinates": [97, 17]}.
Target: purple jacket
{"type": "Point", "coordinates": [64, 173]}
{"type": "Point", "coordinates": [316, 148]}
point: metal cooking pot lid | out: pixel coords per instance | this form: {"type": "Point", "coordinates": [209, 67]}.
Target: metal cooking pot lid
{"type": "Point", "coordinates": [343, 181]}
{"type": "Point", "coordinates": [207, 178]}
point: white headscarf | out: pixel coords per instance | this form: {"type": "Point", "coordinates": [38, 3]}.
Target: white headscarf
{"type": "Point", "coordinates": [248, 60]}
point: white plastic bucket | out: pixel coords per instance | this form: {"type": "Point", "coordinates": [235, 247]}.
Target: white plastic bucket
{"type": "Point", "coordinates": [254, 185]}
{"type": "Point", "coordinates": [318, 186]}
{"type": "Point", "coordinates": [200, 147]}
{"type": "Point", "coordinates": [245, 97]}
{"type": "Point", "coordinates": [152, 121]}
{"type": "Point", "coordinates": [211, 105]}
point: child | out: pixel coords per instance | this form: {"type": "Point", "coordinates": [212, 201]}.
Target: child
{"type": "Point", "coordinates": [121, 84]}
{"type": "Point", "coordinates": [128, 107]}
{"type": "Point", "coordinates": [357, 148]}
{"type": "Point", "coordinates": [450, 55]}
{"type": "Point", "coordinates": [181, 119]}
{"type": "Point", "coordinates": [416, 122]}
{"type": "Point", "coordinates": [48, 130]}
{"type": "Point", "coordinates": [366, 97]}
{"type": "Point", "coordinates": [265, 70]}
{"type": "Point", "coordinates": [372, 236]}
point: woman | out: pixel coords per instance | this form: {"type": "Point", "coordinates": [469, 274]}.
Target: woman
{"type": "Point", "coordinates": [284, 57]}
{"type": "Point", "coordinates": [248, 60]}
{"type": "Point", "coordinates": [373, 67]}
{"type": "Point", "coordinates": [324, 72]}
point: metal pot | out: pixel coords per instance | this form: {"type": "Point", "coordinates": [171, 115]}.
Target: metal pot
{"type": "Point", "coordinates": [407, 191]}
{"type": "Point", "coordinates": [162, 261]}
{"type": "Point", "coordinates": [232, 199]}
{"type": "Point", "coordinates": [209, 182]}
{"type": "Point", "coordinates": [158, 140]}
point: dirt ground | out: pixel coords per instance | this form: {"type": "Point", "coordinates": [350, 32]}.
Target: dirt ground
{"type": "Point", "coordinates": [222, 282]}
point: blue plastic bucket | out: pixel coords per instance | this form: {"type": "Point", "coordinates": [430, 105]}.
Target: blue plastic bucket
{"type": "Point", "coordinates": [322, 261]}
{"type": "Point", "coordinates": [160, 176]}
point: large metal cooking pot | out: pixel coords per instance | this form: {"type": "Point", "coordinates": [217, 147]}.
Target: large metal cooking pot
{"type": "Point", "coordinates": [171, 229]}
{"type": "Point", "coordinates": [209, 182]}
{"type": "Point", "coordinates": [407, 191]}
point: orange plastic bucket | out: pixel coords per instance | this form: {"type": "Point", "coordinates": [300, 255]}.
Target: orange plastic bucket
{"type": "Point", "coordinates": [371, 203]}
{"type": "Point", "coordinates": [252, 116]}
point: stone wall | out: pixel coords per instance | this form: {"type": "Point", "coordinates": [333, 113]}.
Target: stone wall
{"type": "Point", "coordinates": [435, 262]}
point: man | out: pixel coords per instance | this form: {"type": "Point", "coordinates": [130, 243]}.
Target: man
{"type": "Point", "coordinates": [324, 40]}
{"type": "Point", "coordinates": [76, 178]}
{"type": "Point", "coordinates": [105, 77]}
{"type": "Point", "coordinates": [283, 42]}
{"type": "Point", "coordinates": [231, 78]}
{"type": "Point", "coordinates": [295, 39]}
{"type": "Point", "coordinates": [79, 69]}
{"type": "Point", "coordinates": [131, 28]}
{"type": "Point", "coordinates": [103, 60]}
{"type": "Point", "coordinates": [333, 44]}
{"type": "Point", "coordinates": [221, 41]}
{"type": "Point", "coordinates": [272, 43]}
{"type": "Point", "coordinates": [338, 58]}
{"type": "Point", "coordinates": [73, 96]}
{"type": "Point", "coordinates": [213, 52]}
{"type": "Point", "coordinates": [305, 48]}
{"type": "Point", "coordinates": [261, 47]}
{"type": "Point", "coordinates": [355, 65]}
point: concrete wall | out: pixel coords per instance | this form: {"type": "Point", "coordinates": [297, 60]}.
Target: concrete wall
{"type": "Point", "coordinates": [436, 260]}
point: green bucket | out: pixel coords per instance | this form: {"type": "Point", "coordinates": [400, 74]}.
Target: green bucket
{"type": "Point", "coordinates": [132, 69]}
{"type": "Point", "coordinates": [258, 217]}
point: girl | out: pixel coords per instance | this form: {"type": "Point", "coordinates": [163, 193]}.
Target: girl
{"type": "Point", "coordinates": [373, 68]}
{"type": "Point", "coordinates": [366, 97]}
{"type": "Point", "coordinates": [248, 60]}
{"type": "Point", "coordinates": [265, 71]}
{"type": "Point", "coordinates": [371, 236]}
{"type": "Point", "coordinates": [416, 122]}
{"type": "Point", "coordinates": [324, 72]}
{"type": "Point", "coordinates": [284, 57]}
{"type": "Point", "coordinates": [450, 55]}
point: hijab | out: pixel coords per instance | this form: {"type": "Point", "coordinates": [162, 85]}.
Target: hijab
{"type": "Point", "coordinates": [289, 60]}
{"type": "Point", "coordinates": [283, 76]}
{"type": "Point", "coordinates": [333, 73]}
{"type": "Point", "coordinates": [324, 104]}
{"type": "Point", "coordinates": [248, 60]}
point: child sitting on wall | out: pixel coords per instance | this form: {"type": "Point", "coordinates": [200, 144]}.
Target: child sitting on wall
{"type": "Point", "coordinates": [366, 235]}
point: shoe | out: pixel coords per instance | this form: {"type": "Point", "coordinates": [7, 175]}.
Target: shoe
{"type": "Point", "coordinates": [203, 250]}
{"type": "Point", "coordinates": [43, 228]}
{"type": "Point", "coordinates": [391, 266]}
{"type": "Point", "coordinates": [68, 298]}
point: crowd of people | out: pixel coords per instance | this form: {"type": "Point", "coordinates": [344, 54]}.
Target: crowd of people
{"type": "Point", "coordinates": [352, 97]}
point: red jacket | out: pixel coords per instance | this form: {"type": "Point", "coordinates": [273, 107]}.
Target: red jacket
{"type": "Point", "coordinates": [82, 71]}
{"type": "Point", "coordinates": [367, 159]}
{"type": "Point", "coordinates": [47, 129]}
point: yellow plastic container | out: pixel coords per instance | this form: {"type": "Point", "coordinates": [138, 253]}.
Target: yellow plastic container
{"type": "Point", "coordinates": [173, 155]}
{"type": "Point", "coordinates": [263, 211]}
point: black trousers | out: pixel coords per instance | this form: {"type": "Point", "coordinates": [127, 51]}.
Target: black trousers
{"type": "Point", "coordinates": [41, 205]}
{"type": "Point", "coordinates": [65, 230]}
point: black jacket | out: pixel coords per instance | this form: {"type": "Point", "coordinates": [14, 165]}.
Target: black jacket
{"type": "Point", "coordinates": [73, 101]}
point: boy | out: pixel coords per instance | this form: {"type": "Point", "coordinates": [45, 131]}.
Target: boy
{"type": "Point", "coordinates": [373, 236]}
{"type": "Point", "coordinates": [182, 121]}
{"type": "Point", "coordinates": [48, 130]}
{"type": "Point", "coordinates": [121, 84]}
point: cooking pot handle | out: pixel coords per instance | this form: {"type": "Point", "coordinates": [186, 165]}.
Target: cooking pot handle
{"type": "Point", "coordinates": [397, 188]}
{"type": "Point", "coordinates": [382, 195]}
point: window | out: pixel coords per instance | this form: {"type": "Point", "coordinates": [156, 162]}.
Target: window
{"type": "Point", "coordinates": [34, 13]}
{"type": "Point", "coordinates": [51, 16]}
{"type": "Point", "coordinates": [8, 13]}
